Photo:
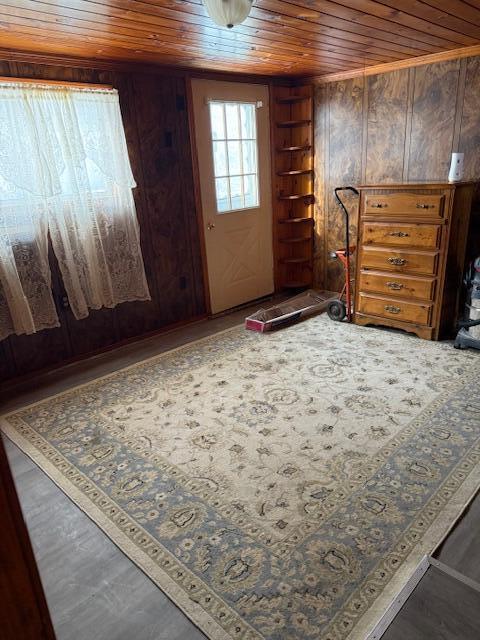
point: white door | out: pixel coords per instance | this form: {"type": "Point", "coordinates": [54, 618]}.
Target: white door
{"type": "Point", "coordinates": [232, 135]}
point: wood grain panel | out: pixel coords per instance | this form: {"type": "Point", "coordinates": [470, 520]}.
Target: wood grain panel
{"type": "Point", "coordinates": [39, 350]}
{"type": "Point", "coordinates": [94, 25]}
{"type": "Point", "coordinates": [163, 182]}
{"type": "Point", "coordinates": [345, 102]}
{"type": "Point", "coordinates": [278, 38]}
{"type": "Point", "coordinates": [433, 120]}
{"type": "Point", "coordinates": [469, 142]}
{"type": "Point", "coordinates": [194, 284]}
{"type": "Point", "coordinates": [137, 318]}
{"type": "Point", "coordinates": [410, 117]}
{"type": "Point", "coordinates": [30, 352]}
{"type": "Point", "coordinates": [465, 19]}
{"type": "Point", "coordinates": [156, 128]}
{"type": "Point", "coordinates": [386, 122]}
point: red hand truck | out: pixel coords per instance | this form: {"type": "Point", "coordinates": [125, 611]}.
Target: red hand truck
{"type": "Point", "coordinates": [339, 309]}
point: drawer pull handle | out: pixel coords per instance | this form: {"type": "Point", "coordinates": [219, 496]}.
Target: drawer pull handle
{"type": "Point", "coordinates": [391, 308]}
{"type": "Point", "coordinates": [379, 205]}
{"type": "Point", "coordinates": [399, 234]}
{"type": "Point", "coordinates": [395, 285]}
{"type": "Point", "coordinates": [397, 261]}
{"type": "Point", "coordinates": [425, 206]}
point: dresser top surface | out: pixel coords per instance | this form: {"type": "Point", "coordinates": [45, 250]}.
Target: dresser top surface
{"type": "Point", "coordinates": [415, 185]}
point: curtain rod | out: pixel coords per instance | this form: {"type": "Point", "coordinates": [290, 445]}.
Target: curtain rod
{"type": "Point", "coordinates": [56, 83]}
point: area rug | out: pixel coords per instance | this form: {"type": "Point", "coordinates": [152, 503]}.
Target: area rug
{"type": "Point", "coordinates": [279, 486]}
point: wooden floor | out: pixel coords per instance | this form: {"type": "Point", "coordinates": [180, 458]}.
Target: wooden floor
{"type": "Point", "coordinates": [95, 593]}
{"type": "Point", "coordinates": [461, 550]}
{"type": "Point", "coordinates": [443, 606]}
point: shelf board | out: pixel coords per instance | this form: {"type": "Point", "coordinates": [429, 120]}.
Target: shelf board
{"type": "Point", "coordinates": [289, 124]}
{"type": "Point", "coordinates": [305, 147]}
{"type": "Point", "coordinates": [294, 172]}
{"type": "Point", "coordinates": [297, 196]}
{"type": "Point", "coordinates": [295, 220]}
{"type": "Point", "coordinates": [292, 99]}
{"type": "Point", "coordinates": [295, 260]}
{"type": "Point", "coordinates": [296, 239]}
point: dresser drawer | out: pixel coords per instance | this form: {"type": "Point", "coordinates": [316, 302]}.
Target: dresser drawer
{"type": "Point", "coordinates": [425, 236]}
{"type": "Point", "coordinates": [414, 204]}
{"type": "Point", "coordinates": [392, 308]}
{"type": "Point", "coordinates": [399, 260]}
{"type": "Point", "coordinates": [397, 285]}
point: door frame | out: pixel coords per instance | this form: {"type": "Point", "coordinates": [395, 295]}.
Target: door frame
{"type": "Point", "coordinates": [196, 172]}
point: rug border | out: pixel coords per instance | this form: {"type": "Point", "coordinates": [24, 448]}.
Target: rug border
{"type": "Point", "coordinates": [195, 613]}
{"type": "Point", "coordinates": [31, 405]}
{"type": "Point", "coordinates": [432, 538]}
{"type": "Point", "coordinates": [430, 541]}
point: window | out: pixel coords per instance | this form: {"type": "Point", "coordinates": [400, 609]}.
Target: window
{"type": "Point", "coordinates": [64, 175]}
{"type": "Point", "coordinates": [235, 156]}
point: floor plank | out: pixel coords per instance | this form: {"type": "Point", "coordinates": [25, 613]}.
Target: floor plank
{"type": "Point", "coordinates": [93, 590]}
{"type": "Point", "coordinates": [461, 550]}
{"type": "Point", "coordinates": [440, 608]}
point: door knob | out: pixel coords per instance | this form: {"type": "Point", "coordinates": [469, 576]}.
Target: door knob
{"type": "Point", "coordinates": [210, 226]}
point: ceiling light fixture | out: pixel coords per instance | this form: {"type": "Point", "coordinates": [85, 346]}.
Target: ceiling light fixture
{"type": "Point", "coordinates": [228, 13]}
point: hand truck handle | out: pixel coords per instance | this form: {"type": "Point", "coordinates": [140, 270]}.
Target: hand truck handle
{"type": "Point", "coordinates": [345, 212]}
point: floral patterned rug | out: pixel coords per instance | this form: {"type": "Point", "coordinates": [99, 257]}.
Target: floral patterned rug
{"type": "Point", "coordinates": [279, 486]}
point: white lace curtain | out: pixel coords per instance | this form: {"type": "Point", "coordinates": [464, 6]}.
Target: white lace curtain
{"type": "Point", "coordinates": [64, 169]}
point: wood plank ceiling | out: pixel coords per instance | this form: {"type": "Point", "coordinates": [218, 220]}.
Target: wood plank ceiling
{"type": "Point", "coordinates": [305, 37]}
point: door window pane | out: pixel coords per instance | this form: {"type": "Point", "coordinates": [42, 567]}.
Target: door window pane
{"type": "Point", "coordinates": [236, 192]}
{"type": "Point", "coordinates": [218, 122]}
{"type": "Point", "coordinates": [232, 118]}
{"type": "Point", "coordinates": [220, 158]}
{"type": "Point", "coordinates": [223, 194]}
{"type": "Point", "coordinates": [235, 156]}
{"type": "Point", "coordinates": [250, 190]}
{"type": "Point", "coordinates": [247, 120]}
{"type": "Point", "coordinates": [249, 156]}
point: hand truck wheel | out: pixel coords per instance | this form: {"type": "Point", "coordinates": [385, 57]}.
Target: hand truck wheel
{"type": "Point", "coordinates": [337, 310]}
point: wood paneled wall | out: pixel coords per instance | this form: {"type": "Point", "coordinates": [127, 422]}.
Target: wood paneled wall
{"type": "Point", "coordinates": [391, 127]}
{"type": "Point", "coordinates": [155, 117]}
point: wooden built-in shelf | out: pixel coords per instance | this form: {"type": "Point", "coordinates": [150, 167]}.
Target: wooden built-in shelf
{"type": "Point", "coordinates": [295, 239]}
{"type": "Point", "coordinates": [297, 196]}
{"type": "Point", "coordinates": [295, 172]}
{"type": "Point", "coordinates": [292, 183]}
{"type": "Point", "coordinates": [304, 147]}
{"type": "Point", "coordinates": [293, 99]}
{"type": "Point", "coordinates": [294, 220]}
{"type": "Point", "coordinates": [288, 124]}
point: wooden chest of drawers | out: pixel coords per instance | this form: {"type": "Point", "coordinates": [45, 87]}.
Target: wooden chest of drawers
{"type": "Point", "coordinates": [411, 253]}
